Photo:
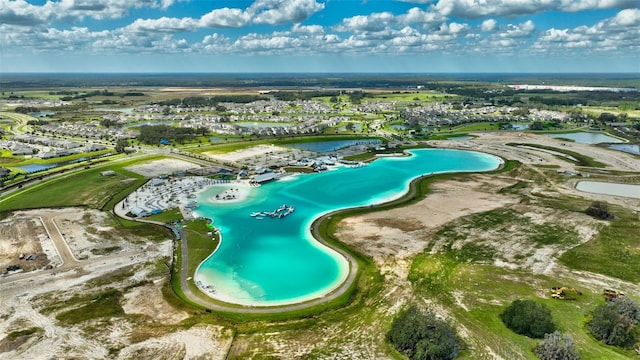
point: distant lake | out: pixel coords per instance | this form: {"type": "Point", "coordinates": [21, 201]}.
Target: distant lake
{"type": "Point", "coordinates": [615, 189]}
{"type": "Point", "coordinates": [122, 110]}
{"type": "Point", "coordinates": [333, 145]}
{"type": "Point", "coordinates": [519, 127]}
{"type": "Point", "coordinates": [628, 148]}
{"type": "Point", "coordinates": [466, 137]}
{"type": "Point", "coordinates": [356, 127]}
{"type": "Point", "coordinates": [42, 114]}
{"type": "Point", "coordinates": [31, 168]}
{"type": "Point", "coordinates": [148, 123]}
{"type": "Point", "coordinates": [262, 125]}
{"type": "Point", "coordinates": [587, 137]}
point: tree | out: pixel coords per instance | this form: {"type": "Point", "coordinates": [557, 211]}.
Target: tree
{"type": "Point", "coordinates": [421, 335]}
{"type": "Point", "coordinates": [529, 318]}
{"type": "Point", "coordinates": [556, 346]}
{"type": "Point", "coordinates": [121, 145]}
{"type": "Point", "coordinates": [606, 117]}
{"type": "Point", "coordinates": [537, 125]}
{"type": "Point", "coordinates": [599, 210]}
{"type": "Point", "coordinates": [616, 322]}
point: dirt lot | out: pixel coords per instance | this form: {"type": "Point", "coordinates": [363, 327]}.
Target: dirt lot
{"type": "Point", "coordinates": [146, 327]}
{"type": "Point", "coordinates": [162, 167]}
{"type": "Point", "coordinates": [24, 238]}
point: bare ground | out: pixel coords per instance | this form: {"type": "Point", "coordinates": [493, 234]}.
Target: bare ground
{"type": "Point", "coordinates": [149, 328]}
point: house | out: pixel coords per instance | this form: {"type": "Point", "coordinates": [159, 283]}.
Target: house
{"type": "Point", "coordinates": [138, 212]}
{"type": "Point", "coordinates": [23, 150]}
{"type": "Point", "coordinates": [262, 178]}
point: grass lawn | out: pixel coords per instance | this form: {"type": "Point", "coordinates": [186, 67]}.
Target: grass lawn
{"type": "Point", "coordinates": [481, 126]}
{"type": "Point", "coordinates": [166, 216]}
{"type": "Point", "coordinates": [87, 188]}
{"type": "Point", "coordinates": [614, 252]}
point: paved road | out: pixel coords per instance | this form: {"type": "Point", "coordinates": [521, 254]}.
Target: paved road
{"type": "Point", "coordinates": [67, 257]}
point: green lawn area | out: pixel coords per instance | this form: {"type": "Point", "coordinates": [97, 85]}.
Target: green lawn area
{"type": "Point", "coordinates": [614, 252]}
{"type": "Point", "coordinates": [166, 216]}
{"type": "Point", "coordinates": [87, 188]}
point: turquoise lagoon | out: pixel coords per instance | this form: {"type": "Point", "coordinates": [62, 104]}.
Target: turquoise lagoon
{"type": "Point", "coordinates": [264, 261]}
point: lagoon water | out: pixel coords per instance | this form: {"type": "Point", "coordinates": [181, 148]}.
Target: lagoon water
{"type": "Point", "coordinates": [276, 261]}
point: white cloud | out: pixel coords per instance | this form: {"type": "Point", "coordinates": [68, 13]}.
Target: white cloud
{"type": "Point", "coordinates": [276, 12]}
{"type": "Point", "coordinates": [473, 9]}
{"type": "Point", "coordinates": [225, 17]}
{"type": "Point", "coordinates": [488, 25]}
{"type": "Point", "coordinates": [19, 12]}
{"type": "Point", "coordinates": [163, 24]}
{"type": "Point", "coordinates": [373, 22]}
{"type": "Point", "coordinates": [617, 36]}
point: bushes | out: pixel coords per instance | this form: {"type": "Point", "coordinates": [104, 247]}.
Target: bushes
{"type": "Point", "coordinates": [616, 322]}
{"type": "Point", "coordinates": [600, 210]}
{"type": "Point", "coordinates": [556, 346]}
{"type": "Point", "coordinates": [420, 335]}
{"type": "Point", "coordinates": [528, 318]}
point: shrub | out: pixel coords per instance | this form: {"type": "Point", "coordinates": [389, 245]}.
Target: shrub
{"type": "Point", "coordinates": [556, 346]}
{"type": "Point", "coordinates": [600, 210]}
{"type": "Point", "coordinates": [421, 335]}
{"type": "Point", "coordinates": [616, 322]}
{"type": "Point", "coordinates": [528, 318]}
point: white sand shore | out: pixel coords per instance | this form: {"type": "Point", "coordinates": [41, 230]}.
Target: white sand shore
{"type": "Point", "coordinates": [231, 193]}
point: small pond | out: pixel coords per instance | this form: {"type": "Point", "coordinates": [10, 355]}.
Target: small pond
{"type": "Point", "coordinates": [32, 168]}
{"type": "Point", "coordinates": [355, 127]}
{"type": "Point", "coordinates": [122, 110]}
{"type": "Point", "coordinates": [587, 137]}
{"type": "Point", "coordinates": [459, 138]}
{"type": "Point", "coordinates": [606, 188]}
{"type": "Point", "coordinates": [519, 127]}
{"type": "Point", "coordinates": [398, 127]}
{"type": "Point", "coordinates": [628, 148]}
{"type": "Point", "coordinates": [262, 125]}
{"type": "Point", "coordinates": [42, 114]}
{"type": "Point", "coordinates": [148, 123]}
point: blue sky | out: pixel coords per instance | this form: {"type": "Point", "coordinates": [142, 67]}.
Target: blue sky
{"type": "Point", "coordinates": [424, 36]}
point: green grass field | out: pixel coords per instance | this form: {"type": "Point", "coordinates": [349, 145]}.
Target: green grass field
{"type": "Point", "coordinates": [89, 189]}
{"type": "Point", "coordinates": [614, 252]}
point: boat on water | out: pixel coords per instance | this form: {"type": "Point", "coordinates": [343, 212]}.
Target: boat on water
{"type": "Point", "coordinates": [281, 212]}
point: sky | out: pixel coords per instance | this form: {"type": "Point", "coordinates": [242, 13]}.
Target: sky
{"type": "Point", "coordinates": [320, 36]}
